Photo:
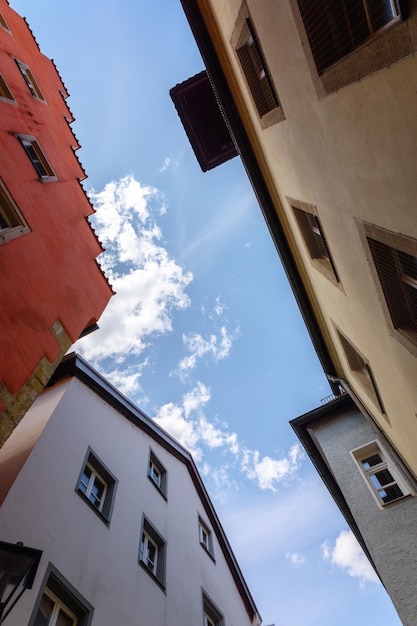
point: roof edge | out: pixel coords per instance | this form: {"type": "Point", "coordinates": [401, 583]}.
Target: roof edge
{"type": "Point", "coordinates": [75, 366]}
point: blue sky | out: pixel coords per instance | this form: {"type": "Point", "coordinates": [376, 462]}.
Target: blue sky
{"type": "Point", "coordinates": [203, 333]}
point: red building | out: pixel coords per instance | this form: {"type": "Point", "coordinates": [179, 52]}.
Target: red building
{"type": "Point", "coordinates": [51, 287]}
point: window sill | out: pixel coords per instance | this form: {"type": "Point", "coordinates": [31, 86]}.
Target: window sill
{"type": "Point", "coordinates": [152, 575]}
{"type": "Point", "coordinates": [159, 489]}
{"type": "Point", "coordinates": [208, 552]}
{"type": "Point", "coordinates": [99, 514]}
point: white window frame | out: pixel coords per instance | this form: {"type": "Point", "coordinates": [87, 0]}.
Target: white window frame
{"type": "Point", "coordinates": [90, 485]}
{"type": "Point", "coordinates": [40, 162]}
{"type": "Point", "coordinates": [100, 472]}
{"type": "Point", "coordinates": [10, 214]}
{"type": "Point", "coordinates": [205, 537]}
{"type": "Point", "coordinates": [376, 448]}
{"type": "Point", "coordinates": [30, 81]}
{"type": "Point", "coordinates": [157, 474]}
{"type": "Point", "coordinates": [211, 614]}
{"type": "Point", "coordinates": [9, 97]}
{"type": "Point", "coordinates": [58, 606]}
{"type": "Point", "coordinates": [147, 541]}
{"type": "Point", "coordinates": [3, 23]}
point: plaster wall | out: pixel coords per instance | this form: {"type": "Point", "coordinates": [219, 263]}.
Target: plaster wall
{"type": "Point", "coordinates": [389, 533]}
{"type": "Point", "coordinates": [352, 155]}
{"type": "Point", "coordinates": [50, 277]}
{"type": "Point", "coordinates": [43, 510]}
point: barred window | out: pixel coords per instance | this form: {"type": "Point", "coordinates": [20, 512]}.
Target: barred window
{"type": "Point", "coordinates": [336, 28]}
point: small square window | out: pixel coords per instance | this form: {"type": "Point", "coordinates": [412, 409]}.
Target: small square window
{"type": "Point", "coordinates": [60, 604]}
{"type": "Point", "coordinates": [362, 371]}
{"type": "Point", "coordinates": [30, 80]}
{"type": "Point", "coordinates": [152, 552]}
{"type": "Point", "coordinates": [255, 69]}
{"type": "Point", "coordinates": [313, 235]}
{"type": "Point", "coordinates": [97, 486]}
{"type": "Point", "coordinates": [206, 538]}
{"type": "Point", "coordinates": [157, 474]}
{"type": "Point", "coordinates": [211, 614]}
{"type": "Point", "coordinates": [380, 474]}
{"type": "Point", "coordinates": [37, 157]}
{"type": "Point", "coordinates": [12, 223]}
{"type": "Point", "coordinates": [5, 93]}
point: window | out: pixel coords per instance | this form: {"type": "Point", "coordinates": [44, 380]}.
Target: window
{"type": "Point", "coordinates": [3, 22]}
{"type": "Point", "coordinates": [152, 552]}
{"type": "Point", "coordinates": [361, 370]}
{"type": "Point", "coordinates": [12, 223]}
{"type": "Point", "coordinates": [381, 476]}
{"type": "Point", "coordinates": [5, 93]}
{"type": "Point", "coordinates": [211, 614]}
{"type": "Point", "coordinates": [157, 474]}
{"type": "Point", "coordinates": [30, 80]}
{"type": "Point", "coordinates": [314, 238]}
{"type": "Point", "coordinates": [206, 539]}
{"type": "Point", "coordinates": [60, 604]}
{"type": "Point", "coordinates": [255, 69]}
{"type": "Point", "coordinates": [334, 29]}
{"type": "Point", "coordinates": [37, 157]}
{"type": "Point", "coordinates": [395, 260]}
{"type": "Point", "coordinates": [97, 486]}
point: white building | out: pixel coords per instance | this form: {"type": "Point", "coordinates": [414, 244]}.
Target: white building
{"type": "Point", "coordinates": [128, 532]}
{"type": "Point", "coordinates": [373, 489]}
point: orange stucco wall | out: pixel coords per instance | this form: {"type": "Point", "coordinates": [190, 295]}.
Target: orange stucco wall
{"type": "Point", "coordinates": [50, 273]}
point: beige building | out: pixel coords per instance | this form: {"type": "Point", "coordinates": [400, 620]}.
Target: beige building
{"type": "Point", "coordinates": [127, 531]}
{"type": "Point", "coordinates": [321, 102]}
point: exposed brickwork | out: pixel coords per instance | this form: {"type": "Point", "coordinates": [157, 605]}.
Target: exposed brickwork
{"type": "Point", "coordinates": [14, 406]}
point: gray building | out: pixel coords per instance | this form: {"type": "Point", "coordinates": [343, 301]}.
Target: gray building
{"type": "Point", "coordinates": [128, 532]}
{"type": "Point", "coordinates": [373, 489]}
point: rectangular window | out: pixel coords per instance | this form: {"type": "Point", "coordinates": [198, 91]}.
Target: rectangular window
{"type": "Point", "coordinates": [395, 260]}
{"type": "Point", "coordinates": [37, 157]}
{"type": "Point", "coordinates": [3, 22]}
{"type": "Point", "coordinates": [211, 614]}
{"type": "Point", "coordinates": [382, 477]}
{"type": "Point", "coordinates": [152, 552]}
{"type": "Point", "coordinates": [255, 69]}
{"type": "Point", "coordinates": [12, 223]}
{"type": "Point", "coordinates": [5, 93]}
{"type": "Point", "coordinates": [334, 29]}
{"type": "Point", "coordinates": [362, 371]}
{"type": "Point", "coordinates": [157, 474]}
{"type": "Point", "coordinates": [315, 241]}
{"type": "Point", "coordinates": [206, 539]}
{"type": "Point", "coordinates": [30, 80]}
{"type": "Point", "coordinates": [60, 604]}
{"type": "Point", "coordinates": [97, 486]}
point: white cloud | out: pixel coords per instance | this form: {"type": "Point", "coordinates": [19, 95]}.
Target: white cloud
{"type": "Point", "coordinates": [148, 283]}
{"type": "Point", "coordinates": [187, 422]}
{"type": "Point", "coordinates": [268, 472]}
{"type": "Point", "coordinates": [295, 559]}
{"type": "Point", "coordinates": [348, 556]}
{"type": "Point", "coordinates": [216, 346]}
{"type": "Point", "coordinates": [167, 163]}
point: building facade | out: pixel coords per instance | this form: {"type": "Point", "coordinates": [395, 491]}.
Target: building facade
{"type": "Point", "coordinates": [373, 489]}
{"type": "Point", "coordinates": [127, 530]}
{"type": "Point", "coordinates": [52, 288]}
{"type": "Point", "coordinates": [320, 100]}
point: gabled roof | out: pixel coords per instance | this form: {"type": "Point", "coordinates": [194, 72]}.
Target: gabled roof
{"type": "Point", "coordinates": [74, 366]}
